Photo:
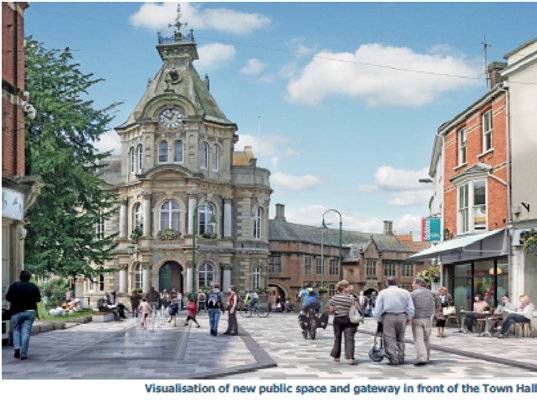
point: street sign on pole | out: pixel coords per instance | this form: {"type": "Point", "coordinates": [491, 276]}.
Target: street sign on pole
{"type": "Point", "coordinates": [430, 230]}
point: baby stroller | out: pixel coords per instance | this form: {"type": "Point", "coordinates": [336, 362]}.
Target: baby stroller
{"type": "Point", "coordinates": [377, 353]}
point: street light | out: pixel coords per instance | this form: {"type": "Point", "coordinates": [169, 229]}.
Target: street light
{"type": "Point", "coordinates": [323, 226]}
{"type": "Point", "coordinates": [340, 238]}
{"type": "Point", "coordinates": [212, 221]}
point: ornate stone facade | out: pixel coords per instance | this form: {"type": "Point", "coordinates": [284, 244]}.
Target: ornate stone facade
{"type": "Point", "coordinates": [179, 180]}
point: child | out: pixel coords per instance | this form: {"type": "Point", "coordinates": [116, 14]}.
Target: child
{"type": "Point", "coordinates": [192, 312]}
{"type": "Point", "coordinates": [173, 309]}
{"type": "Point", "coordinates": [145, 308]}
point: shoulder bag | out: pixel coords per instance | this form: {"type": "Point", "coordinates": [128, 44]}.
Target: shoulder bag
{"type": "Point", "coordinates": [354, 314]}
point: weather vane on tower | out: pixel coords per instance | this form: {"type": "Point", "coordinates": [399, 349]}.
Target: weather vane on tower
{"type": "Point", "coordinates": [178, 23]}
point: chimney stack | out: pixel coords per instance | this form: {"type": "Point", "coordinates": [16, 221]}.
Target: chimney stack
{"type": "Point", "coordinates": [280, 212]}
{"type": "Point", "coordinates": [493, 71]}
{"type": "Point", "coordinates": [388, 228]}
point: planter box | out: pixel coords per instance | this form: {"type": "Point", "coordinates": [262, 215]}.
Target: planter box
{"type": "Point", "coordinates": [103, 318]}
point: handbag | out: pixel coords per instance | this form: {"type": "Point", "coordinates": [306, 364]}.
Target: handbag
{"type": "Point", "coordinates": [354, 314]}
{"type": "Point", "coordinates": [448, 310]}
{"type": "Point", "coordinates": [377, 353]}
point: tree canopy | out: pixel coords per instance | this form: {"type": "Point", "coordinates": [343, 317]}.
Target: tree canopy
{"type": "Point", "coordinates": [62, 224]}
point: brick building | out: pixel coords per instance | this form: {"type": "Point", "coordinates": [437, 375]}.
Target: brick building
{"type": "Point", "coordinates": [368, 259]}
{"type": "Point", "coordinates": [18, 191]}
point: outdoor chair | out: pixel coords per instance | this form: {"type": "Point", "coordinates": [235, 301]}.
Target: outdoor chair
{"type": "Point", "coordinates": [452, 321]}
{"type": "Point", "coordinates": [479, 325]}
{"type": "Point", "coordinates": [517, 326]}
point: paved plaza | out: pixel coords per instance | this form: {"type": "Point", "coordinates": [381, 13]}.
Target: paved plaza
{"type": "Point", "coordinates": [271, 348]}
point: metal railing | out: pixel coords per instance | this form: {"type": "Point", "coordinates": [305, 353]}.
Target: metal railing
{"type": "Point", "coordinates": [176, 37]}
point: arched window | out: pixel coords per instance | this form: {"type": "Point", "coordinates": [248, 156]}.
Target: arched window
{"type": "Point", "coordinates": [170, 215]}
{"type": "Point", "coordinates": [206, 275]}
{"type": "Point", "coordinates": [257, 277]}
{"type": "Point", "coordinates": [138, 276]}
{"type": "Point", "coordinates": [140, 157]}
{"type": "Point", "coordinates": [101, 283]}
{"type": "Point", "coordinates": [163, 152]}
{"type": "Point", "coordinates": [138, 215]}
{"type": "Point", "coordinates": [204, 155]}
{"type": "Point", "coordinates": [178, 152]}
{"type": "Point", "coordinates": [205, 216]}
{"type": "Point", "coordinates": [216, 157]}
{"type": "Point", "coordinates": [257, 222]}
{"type": "Point", "coordinates": [133, 160]}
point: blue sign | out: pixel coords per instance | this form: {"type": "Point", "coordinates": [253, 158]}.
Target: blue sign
{"type": "Point", "coordinates": [430, 230]}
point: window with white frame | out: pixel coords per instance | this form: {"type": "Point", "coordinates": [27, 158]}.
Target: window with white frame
{"type": "Point", "coordinates": [138, 276]}
{"type": "Point", "coordinates": [132, 155]}
{"type": "Point", "coordinates": [163, 152]}
{"type": "Point", "coordinates": [334, 266]}
{"type": "Point", "coordinates": [216, 157]}
{"type": "Point", "coordinates": [275, 264]}
{"type": "Point", "coordinates": [307, 265]}
{"type": "Point", "coordinates": [140, 152]}
{"type": "Point", "coordinates": [138, 215]}
{"type": "Point", "coordinates": [472, 210]}
{"type": "Point", "coordinates": [257, 277]}
{"type": "Point", "coordinates": [178, 151]}
{"type": "Point", "coordinates": [257, 223]}
{"type": "Point", "coordinates": [487, 130]}
{"type": "Point", "coordinates": [99, 227]}
{"type": "Point", "coordinates": [462, 146]}
{"type": "Point", "coordinates": [371, 267]}
{"type": "Point", "coordinates": [170, 215]}
{"type": "Point", "coordinates": [206, 275]}
{"type": "Point", "coordinates": [206, 211]}
{"type": "Point", "coordinates": [204, 156]}
{"type": "Point", "coordinates": [101, 283]}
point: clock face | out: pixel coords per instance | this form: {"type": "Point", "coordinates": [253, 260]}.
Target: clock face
{"type": "Point", "coordinates": [170, 118]}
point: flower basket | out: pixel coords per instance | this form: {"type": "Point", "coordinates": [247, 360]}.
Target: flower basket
{"type": "Point", "coordinates": [322, 290]}
{"type": "Point", "coordinates": [430, 275]}
{"type": "Point", "coordinates": [136, 234]}
{"type": "Point", "coordinates": [529, 241]}
{"type": "Point", "coordinates": [261, 291]}
{"type": "Point", "coordinates": [209, 235]}
{"type": "Point", "coordinates": [168, 234]}
{"type": "Point", "coordinates": [205, 289]}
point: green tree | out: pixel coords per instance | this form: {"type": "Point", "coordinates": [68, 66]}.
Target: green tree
{"type": "Point", "coordinates": [62, 237]}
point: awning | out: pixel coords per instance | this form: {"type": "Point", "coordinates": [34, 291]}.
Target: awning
{"type": "Point", "coordinates": [487, 244]}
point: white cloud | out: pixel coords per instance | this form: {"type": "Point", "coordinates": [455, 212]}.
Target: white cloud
{"type": "Point", "coordinates": [294, 183]}
{"type": "Point", "coordinates": [324, 77]}
{"type": "Point", "coordinates": [409, 223]}
{"type": "Point", "coordinates": [157, 16]}
{"type": "Point", "coordinates": [109, 141]}
{"type": "Point", "coordinates": [411, 197]}
{"type": "Point", "coordinates": [253, 67]}
{"type": "Point", "coordinates": [274, 147]}
{"type": "Point", "coordinates": [215, 55]}
{"type": "Point", "coordinates": [391, 178]}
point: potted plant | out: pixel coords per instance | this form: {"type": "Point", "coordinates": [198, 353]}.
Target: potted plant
{"type": "Point", "coordinates": [209, 235]}
{"type": "Point", "coordinates": [205, 289]}
{"type": "Point", "coordinates": [168, 234]}
{"type": "Point", "coordinates": [322, 290]}
{"type": "Point", "coordinates": [430, 275]}
{"type": "Point", "coordinates": [137, 233]}
{"type": "Point", "coordinates": [529, 241]}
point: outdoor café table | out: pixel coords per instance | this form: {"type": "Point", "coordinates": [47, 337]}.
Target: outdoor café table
{"type": "Point", "coordinates": [485, 315]}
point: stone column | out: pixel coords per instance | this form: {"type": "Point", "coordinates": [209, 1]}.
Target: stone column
{"type": "Point", "coordinates": [123, 223]}
{"type": "Point", "coordinates": [146, 278]}
{"type": "Point", "coordinates": [147, 215]}
{"type": "Point", "coordinates": [228, 223]}
{"type": "Point", "coordinates": [226, 280]}
{"type": "Point", "coordinates": [189, 279]}
{"type": "Point", "coordinates": [123, 279]}
{"type": "Point", "coordinates": [192, 202]}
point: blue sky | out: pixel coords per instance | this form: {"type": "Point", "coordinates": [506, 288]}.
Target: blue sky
{"type": "Point", "coordinates": [335, 132]}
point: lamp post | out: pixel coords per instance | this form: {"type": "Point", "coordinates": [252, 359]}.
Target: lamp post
{"type": "Point", "coordinates": [323, 226]}
{"type": "Point", "coordinates": [340, 238]}
{"type": "Point", "coordinates": [212, 221]}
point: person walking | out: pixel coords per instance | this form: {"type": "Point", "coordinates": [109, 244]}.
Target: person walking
{"type": "Point", "coordinates": [232, 303]}
{"type": "Point", "coordinates": [340, 305]}
{"type": "Point", "coordinates": [394, 309]}
{"type": "Point", "coordinates": [424, 310]}
{"type": "Point", "coordinates": [173, 309]}
{"type": "Point", "coordinates": [202, 297]}
{"type": "Point", "coordinates": [153, 298]}
{"type": "Point", "coordinates": [145, 308]}
{"type": "Point", "coordinates": [443, 299]}
{"type": "Point", "coordinates": [192, 313]}
{"type": "Point", "coordinates": [24, 297]}
{"type": "Point", "coordinates": [165, 299]}
{"type": "Point", "coordinates": [135, 302]}
{"type": "Point", "coordinates": [215, 307]}
{"type": "Point", "coordinates": [48, 295]}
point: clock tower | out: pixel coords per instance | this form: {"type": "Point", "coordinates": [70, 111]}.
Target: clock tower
{"type": "Point", "coordinates": [193, 211]}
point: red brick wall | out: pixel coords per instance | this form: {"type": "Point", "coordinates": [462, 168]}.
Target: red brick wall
{"type": "Point", "coordinates": [13, 73]}
{"type": "Point", "coordinates": [497, 192]}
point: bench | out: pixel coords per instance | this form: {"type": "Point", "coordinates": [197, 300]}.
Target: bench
{"type": "Point", "coordinates": [102, 317]}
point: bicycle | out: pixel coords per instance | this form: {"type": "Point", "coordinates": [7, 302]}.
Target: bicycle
{"type": "Point", "coordinates": [308, 323]}
{"type": "Point", "coordinates": [247, 311]}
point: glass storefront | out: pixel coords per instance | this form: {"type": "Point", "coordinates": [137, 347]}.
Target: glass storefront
{"type": "Point", "coordinates": [490, 278]}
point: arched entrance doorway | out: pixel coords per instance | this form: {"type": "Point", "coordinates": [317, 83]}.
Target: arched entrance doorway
{"type": "Point", "coordinates": [170, 276]}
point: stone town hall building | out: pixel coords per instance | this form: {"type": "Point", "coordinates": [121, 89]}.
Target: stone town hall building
{"type": "Point", "coordinates": [178, 159]}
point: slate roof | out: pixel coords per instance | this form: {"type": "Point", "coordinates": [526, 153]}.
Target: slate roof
{"type": "Point", "coordinates": [286, 231]}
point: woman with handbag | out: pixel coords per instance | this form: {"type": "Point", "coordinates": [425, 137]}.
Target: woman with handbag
{"type": "Point", "coordinates": [346, 310]}
{"type": "Point", "coordinates": [444, 307]}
